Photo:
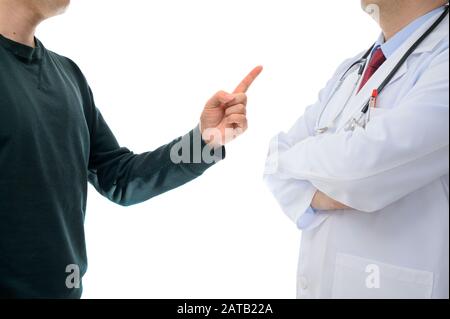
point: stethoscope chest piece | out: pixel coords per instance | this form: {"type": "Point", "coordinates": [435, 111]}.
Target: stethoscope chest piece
{"type": "Point", "coordinates": [322, 130]}
{"type": "Point", "coordinates": [363, 119]}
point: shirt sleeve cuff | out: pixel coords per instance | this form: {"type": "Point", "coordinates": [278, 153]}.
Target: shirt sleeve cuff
{"type": "Point", "coordinates": [302, 212]}
{"type": "Point", "coordinates": [201, 155]}
{"type": "Point", "coordinates": [311, 219]}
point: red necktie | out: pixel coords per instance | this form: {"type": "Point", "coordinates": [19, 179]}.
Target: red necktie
{"type": "Point", "coordinates": [376, 61]}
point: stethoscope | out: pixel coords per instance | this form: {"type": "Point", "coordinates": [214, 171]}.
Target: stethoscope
{"type": "Point", "coordinates": [363, 118]}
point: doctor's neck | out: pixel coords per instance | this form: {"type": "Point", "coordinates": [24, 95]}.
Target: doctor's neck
{"type": "Point", "coordinates": [394, 15]}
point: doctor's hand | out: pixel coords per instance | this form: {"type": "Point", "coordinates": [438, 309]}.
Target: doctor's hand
{"type": "Point", "coordinates": [323, 202]}
{"type": "Point", "coordinates": [225, 115]}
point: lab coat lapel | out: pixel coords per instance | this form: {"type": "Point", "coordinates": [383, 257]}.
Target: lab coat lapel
{"type": "Point", "coordinates": [428, 46]}
{"type": "Point", "coordinates": [360, 99]}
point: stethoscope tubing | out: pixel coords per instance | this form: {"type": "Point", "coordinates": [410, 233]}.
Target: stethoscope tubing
{"type": "Point", "coordinates": [407, 55]}
{"type": "Point", "coordinates": [362, 62]}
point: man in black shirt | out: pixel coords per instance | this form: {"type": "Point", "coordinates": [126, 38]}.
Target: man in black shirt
{"type": "Point", "coordinates": [53, 141]}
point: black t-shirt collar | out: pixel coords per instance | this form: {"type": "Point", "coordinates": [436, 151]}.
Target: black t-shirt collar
{"type": "Point", "coordinates": [21, 50]}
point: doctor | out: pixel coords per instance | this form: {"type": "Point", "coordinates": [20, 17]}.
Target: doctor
{"type": "Point", "coordinates": [364, 173]}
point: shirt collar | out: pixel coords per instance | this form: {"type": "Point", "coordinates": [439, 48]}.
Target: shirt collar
{"type": "Point", "coordinates": [401, 37]}
{"type": "Point", "coordinates": [21, 50]}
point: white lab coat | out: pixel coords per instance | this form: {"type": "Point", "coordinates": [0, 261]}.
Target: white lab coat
{"type": "Point", "coordinates": [394, 173]}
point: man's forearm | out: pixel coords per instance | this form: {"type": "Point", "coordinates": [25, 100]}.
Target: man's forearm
{"type": "Point", "coordinates": [127, 178]}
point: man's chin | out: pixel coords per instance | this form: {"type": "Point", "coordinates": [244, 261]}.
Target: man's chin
{"type": "Point", "coordinates": [51, 8]}
{"type": "Point", "coordinates": [65, 5]}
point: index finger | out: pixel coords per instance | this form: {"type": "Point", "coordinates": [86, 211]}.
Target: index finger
{"type": "Point", "coordinates": [249, 79]}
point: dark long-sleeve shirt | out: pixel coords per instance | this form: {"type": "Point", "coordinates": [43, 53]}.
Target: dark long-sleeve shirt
{"type": "Point", "coordinates": [53, 141]}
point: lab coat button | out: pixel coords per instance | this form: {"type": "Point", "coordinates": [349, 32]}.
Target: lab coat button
{"type": "Point", "coordinates": [303, 282]}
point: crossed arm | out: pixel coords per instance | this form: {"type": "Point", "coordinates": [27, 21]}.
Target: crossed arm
{"type": "Point", "coordinates": [398, 153]}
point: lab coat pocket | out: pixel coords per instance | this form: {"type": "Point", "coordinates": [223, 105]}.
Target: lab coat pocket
{"type": "Point", "coordinates": [359, 278]}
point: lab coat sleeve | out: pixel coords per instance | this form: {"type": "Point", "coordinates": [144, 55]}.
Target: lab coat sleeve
{"type": "Point", "coordinates": [295, 195]}
{"type": "Point", "coordinates": [398, 153]}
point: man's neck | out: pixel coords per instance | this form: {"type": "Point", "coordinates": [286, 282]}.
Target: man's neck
{"type": "Point", "coordinates": [18, 23]}
{"type": "Point", "coordinates": [396, 17]}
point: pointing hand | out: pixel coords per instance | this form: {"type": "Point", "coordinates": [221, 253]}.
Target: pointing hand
{"type": "Point", "coordinates": [225, 115]}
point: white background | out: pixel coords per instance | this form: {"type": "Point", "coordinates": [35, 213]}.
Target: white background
{"type": "Point", "coordinates": [152, 65]}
